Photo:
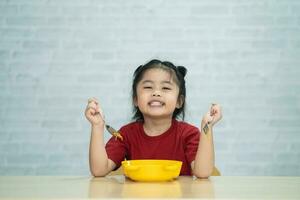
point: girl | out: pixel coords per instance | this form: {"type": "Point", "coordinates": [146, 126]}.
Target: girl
{"type": "Point", "coordinates": [158, 95]}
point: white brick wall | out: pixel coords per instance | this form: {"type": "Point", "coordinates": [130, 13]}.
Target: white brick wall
{"type": "Point", "coordinates": [56, 54]}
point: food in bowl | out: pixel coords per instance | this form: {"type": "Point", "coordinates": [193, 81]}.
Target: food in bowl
{"type": "Point", "coordinates": [151, 170]}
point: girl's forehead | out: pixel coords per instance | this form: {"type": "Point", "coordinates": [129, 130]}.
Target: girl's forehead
{"type": "Point", "coordinates": [158, 74]}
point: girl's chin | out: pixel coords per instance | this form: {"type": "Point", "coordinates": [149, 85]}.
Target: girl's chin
{"type": "Point", "coordinates": [158, 116]}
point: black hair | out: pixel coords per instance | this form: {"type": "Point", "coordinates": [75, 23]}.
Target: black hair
{"type": "Point", "coordinates": [178, 71]}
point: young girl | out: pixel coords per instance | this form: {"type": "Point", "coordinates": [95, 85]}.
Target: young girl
{"type": "Point", "coordinates": [158, 95]}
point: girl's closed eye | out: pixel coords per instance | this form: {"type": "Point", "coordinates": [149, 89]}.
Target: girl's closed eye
{"type": "Point", "coordinates": [147, 87]}
{"type": "Point", "coordinates": [166, 88]}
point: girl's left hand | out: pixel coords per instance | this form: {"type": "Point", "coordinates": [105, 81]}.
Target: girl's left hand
{"type": "Point", "coordinates": [213, 115]}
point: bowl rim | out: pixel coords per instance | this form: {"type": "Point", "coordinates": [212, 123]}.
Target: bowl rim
{"type": "Point", "coordinates": [155, 161]}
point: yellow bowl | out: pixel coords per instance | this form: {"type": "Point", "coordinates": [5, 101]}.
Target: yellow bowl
{"type": "Point", "coordinates": [151, 170]}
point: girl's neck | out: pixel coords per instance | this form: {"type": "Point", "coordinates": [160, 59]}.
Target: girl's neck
{"type": "Point", "coordinates": [155, 127]}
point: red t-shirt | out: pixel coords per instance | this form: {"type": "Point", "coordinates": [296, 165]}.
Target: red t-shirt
{"type": "Point", "coordinates": [179, 142]}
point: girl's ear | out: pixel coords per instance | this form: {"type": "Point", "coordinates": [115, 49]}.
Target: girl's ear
{"type": "Point", "coordinates": [180, 101]}
{"type": "Point", "coordinates": [135, 102]}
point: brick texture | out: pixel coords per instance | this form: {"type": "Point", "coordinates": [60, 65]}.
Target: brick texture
{"type": "Point", "coordinates": [54, 55]}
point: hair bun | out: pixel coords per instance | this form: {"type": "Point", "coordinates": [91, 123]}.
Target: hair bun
{"type": "Point", "coordinates": [182, 70]}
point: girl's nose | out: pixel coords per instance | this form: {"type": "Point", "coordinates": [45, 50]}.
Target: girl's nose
{"type": "Point", "coordinates": [156, 93]}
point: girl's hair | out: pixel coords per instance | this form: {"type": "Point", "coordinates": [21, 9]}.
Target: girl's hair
{"type": "Point", "coordinates": [177, 72]}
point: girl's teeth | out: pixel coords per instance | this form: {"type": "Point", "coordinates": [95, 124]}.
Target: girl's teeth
{"type": "Point", "coordinates": [155, 103]}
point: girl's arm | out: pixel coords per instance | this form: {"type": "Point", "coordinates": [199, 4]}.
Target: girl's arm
{"type": "Point", "coordinates": [204, 162]}
{"type": "Point", "coordinates": [100, 165]}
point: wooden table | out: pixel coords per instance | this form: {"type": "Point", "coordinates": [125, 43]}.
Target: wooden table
{"type": "Point", "coordinates": [116, 187]}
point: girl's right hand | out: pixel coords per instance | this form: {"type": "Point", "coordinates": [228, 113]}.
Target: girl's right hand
{"type": "Point", "coordinates": [94, 113]}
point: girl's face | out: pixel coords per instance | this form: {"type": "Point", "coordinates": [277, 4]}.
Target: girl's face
{"type": "Point", "coordinates": [157, 94]}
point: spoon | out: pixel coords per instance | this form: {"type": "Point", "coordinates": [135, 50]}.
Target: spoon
{"type": "Point", "coordinates": [113, 132]}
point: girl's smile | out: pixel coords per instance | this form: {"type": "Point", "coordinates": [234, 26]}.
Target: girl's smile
{"type": "Point", "coordinates": [156, 103]}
